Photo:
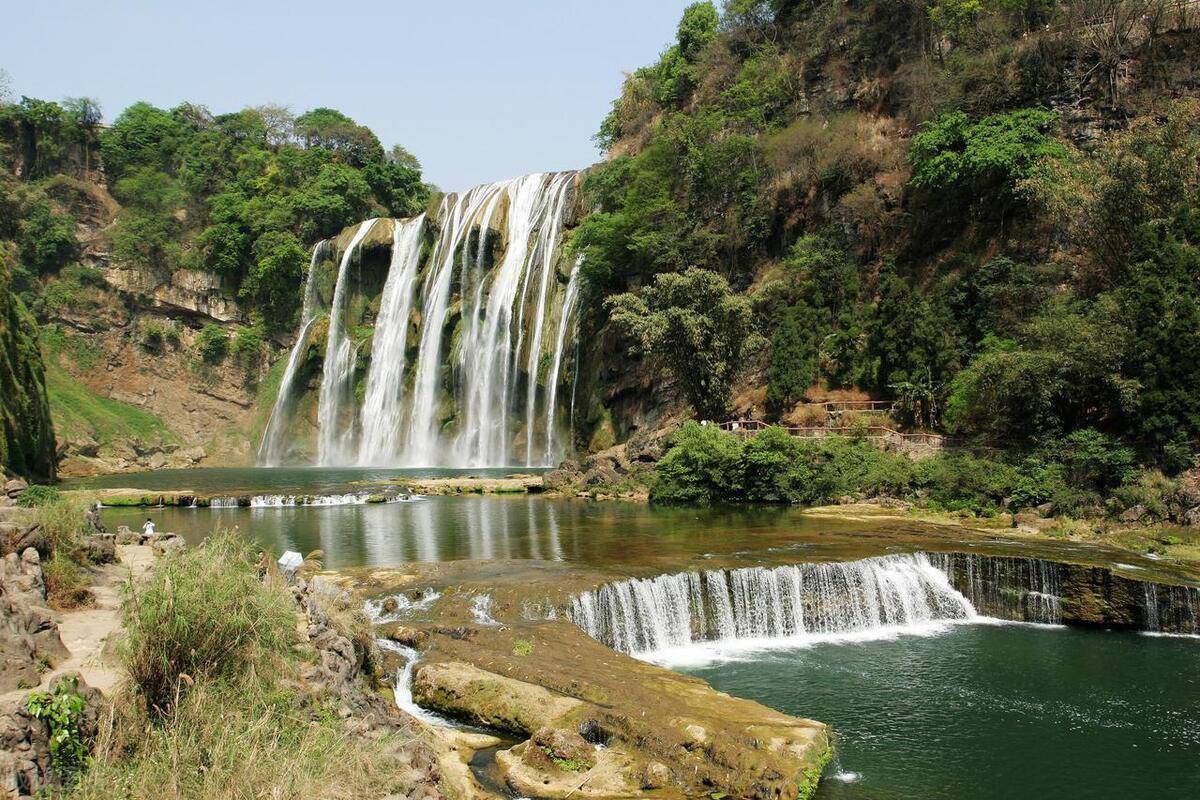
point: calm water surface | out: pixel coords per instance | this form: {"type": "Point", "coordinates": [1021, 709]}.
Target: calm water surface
{"type": "Point", "coordinates": [994, 712]}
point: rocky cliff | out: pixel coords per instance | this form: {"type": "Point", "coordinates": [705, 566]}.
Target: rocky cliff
{"type": "Point", "coordinates": [27, 443]}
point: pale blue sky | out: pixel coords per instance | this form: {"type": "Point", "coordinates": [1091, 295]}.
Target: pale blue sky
{"type": "Point", "coordinates": [478, 90]}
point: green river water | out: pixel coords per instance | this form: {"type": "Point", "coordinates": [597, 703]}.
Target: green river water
{"type": "Point", "coordinates": [976, 712]}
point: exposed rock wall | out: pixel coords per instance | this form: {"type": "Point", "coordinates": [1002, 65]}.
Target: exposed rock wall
{"type": "Point", "coordinates": [26, 434]}
{"type": "Point", "coordinates": [29, 639]}
{"type": "Point", "coordinates": [26, 770]}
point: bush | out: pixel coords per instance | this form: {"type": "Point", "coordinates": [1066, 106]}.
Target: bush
{"type": "Point", "coordinates": [38, 495]}
{"type": "Point", "coordinates": [960, 482]}
{"type": "Point", "coordinates": [211, 344]}
{"type": "Point", "coordinates": [775, 467]}
{"type": "Point", "coordinates": [701, 467]}
{"type": "Point", "coordinates": [206, 615]}
{"type": "Point", "coordinates": [62, 522]}
{"type": "Point", "coordinates": [1149, 489]}
{"type": "Point", "coordinates": [63, 710]}
{"type": "Point", "coordinates": [247, 349]}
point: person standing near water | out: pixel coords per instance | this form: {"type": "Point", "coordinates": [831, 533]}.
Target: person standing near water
{"type": "Point", "coordinates": [148, 528]}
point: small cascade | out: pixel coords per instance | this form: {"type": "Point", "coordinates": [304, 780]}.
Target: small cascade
{"type": "Point", "coordinates": [1171, 609]}
{"type": "Point", "coordinates": [874, 596]}
{"type": "Point", "coordinates": [481, 610]}
{"type": "Point", "coordinates": [323, 500]}
{"type": "Point", "coordinates": [339, 364]}
{"type": "Point", "coordinates": [1024, 589]}
{"type": "Point", "coordinates": [271, 449]}
{"type": "Point", "coordinates": [382, 410]}
{"type": "Point", "coordinates": [223, 502]}
{"type": "Point", "coordinates": [402, 683]}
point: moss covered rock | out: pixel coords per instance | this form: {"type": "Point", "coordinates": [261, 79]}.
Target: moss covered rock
{"type": "Point", "coordinates": [27, 439]}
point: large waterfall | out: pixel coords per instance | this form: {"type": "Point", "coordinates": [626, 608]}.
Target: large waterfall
{"type": "Point", "coordinates": [759, 604]}
{"type": "Point", "coordinates": [458, 361]}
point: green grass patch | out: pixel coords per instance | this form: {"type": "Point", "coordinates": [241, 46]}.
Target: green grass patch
{"type": "Point", "coordinates": [79, 413]}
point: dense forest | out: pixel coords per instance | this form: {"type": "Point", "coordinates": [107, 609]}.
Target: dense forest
{"type": "Point", "coordinates": [241, 195]}
{"type": "Point", "coordinates": [988, 211]}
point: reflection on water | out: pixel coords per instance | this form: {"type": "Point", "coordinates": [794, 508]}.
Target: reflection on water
{"type": "Point", "coordinates": [527, 527]}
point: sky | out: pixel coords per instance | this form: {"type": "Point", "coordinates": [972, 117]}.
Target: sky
{"type": "Point", "coordinates": [478, 90]}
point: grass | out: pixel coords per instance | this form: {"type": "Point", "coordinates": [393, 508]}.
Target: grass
{"type": "Point", "coordinates": [215, 706]}
{"type": "Point", "coordinates": [522, 647]}
{"type": "Point", "coordinates": [204, 614]}
{"type": "Point", "coordinates": [78, 412]}
{"type": "Point", "coordinates": [62, 522]}
{"type": "Point", "coordinates": [66, 582]}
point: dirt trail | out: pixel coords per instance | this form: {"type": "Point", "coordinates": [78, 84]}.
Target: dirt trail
{"type": "Point", "coordinates": [87, 632]}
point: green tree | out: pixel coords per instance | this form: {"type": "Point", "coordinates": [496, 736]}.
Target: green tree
{"type": "Point", "coordinates": [793, 357]}
{"type": "Point", "coordinates": [142, 136]}
{"type": "Point", "coordinates": [274, 283]}
{"type": "Point", "coordinates": [46, 240]}
{"type": "Point", "coordinates": [696, 326]}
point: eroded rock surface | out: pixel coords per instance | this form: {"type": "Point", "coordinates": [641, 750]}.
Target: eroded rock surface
{"type": "Point", "coordinates": [29, 638]}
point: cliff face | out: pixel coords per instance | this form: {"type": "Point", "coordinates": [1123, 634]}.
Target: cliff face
{"type": "Point", "coordinates": [27, 443]}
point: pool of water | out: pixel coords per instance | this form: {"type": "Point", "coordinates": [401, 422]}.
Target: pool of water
{"type": "Point", "coordinates": [578, 532]}
{"type": "Point", "coordinates": [279, 480]}
{"type": "Point", "coordinates": [992, 712]}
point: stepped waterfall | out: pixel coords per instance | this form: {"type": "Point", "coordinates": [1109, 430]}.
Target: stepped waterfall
{"type": "Point", "coordinates": [757, 604]}
{"type": "Point", "coordinates": [461, 359]}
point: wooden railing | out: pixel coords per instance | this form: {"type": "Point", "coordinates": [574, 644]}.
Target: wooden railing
{"type": "Point", "coordinates": [749, 427]}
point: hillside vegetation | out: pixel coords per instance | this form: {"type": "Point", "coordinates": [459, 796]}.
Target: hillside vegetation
{"type": "Point", "coordinates": [988, 211]}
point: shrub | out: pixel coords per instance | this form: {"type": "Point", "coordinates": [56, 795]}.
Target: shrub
{"type": "Point", "coordinates": [151, 334]}
{"type": "Point", "coordinates": [1149, 489]}
{"type": "Point", "coordinates": [247, 349]}
{"type": "Point", "coordinates": [775, 467]}
{"type": "Point", "coordinates": [701, 467]}
{"type": "Point", "coordinates": [1093, 460]}
{"type": "Point", "coordinates": [211, 344]}
{"type": "Point", "coordinates": [63, 710]}
{"type": "Point", "coordinates": [206, 615]}
{"type": "Point", "coordinates": [960, 482]}
{"type": "Point", "coordinates": [62, 522]}
{"type": "Point", "coordinates": [38, 495]}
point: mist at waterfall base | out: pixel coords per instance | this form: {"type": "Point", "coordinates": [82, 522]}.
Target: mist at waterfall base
{"type": "Point", "coordinates": [491, 306]}
{"type": "Point", "coordinates": [985, 712]}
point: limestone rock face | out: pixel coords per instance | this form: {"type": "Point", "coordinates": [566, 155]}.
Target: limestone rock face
{"type": "Point", "coordinates": [29, 636]}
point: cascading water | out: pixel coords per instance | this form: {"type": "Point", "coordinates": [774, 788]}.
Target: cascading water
{"type": "Point", "coordinates": [339, 365]}
{"type": "Point", "coordinates": [270, 450]}
{"type": "Point", "coordinates": [755, 605]}
{"type": "Point", "coordinates": [383, 408]}
{"type": "Point", "coordinates": [477, 383]}
{"type": "Point", "coordinates": [1027, 589]}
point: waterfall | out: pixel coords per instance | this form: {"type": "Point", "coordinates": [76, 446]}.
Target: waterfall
{"type": "Point", "coordinates": [271, 448]}
{"type": "Point", "coordinates": [458, 215]}
{"type": "Point", "coordinates": [789, 604]}
{"type": "Point", "coordinates": [1171, 609]}
{"type": "Point", "coordinates": [382, 408]}
{"type": "Point", "coordinates": [568, 308]}
{"type": "Point", "coordinates": [1028, 589]}
{"type": "Point", "coordinates": [339, 365]}
{"type": "Point", "coordinates": [476, 384]}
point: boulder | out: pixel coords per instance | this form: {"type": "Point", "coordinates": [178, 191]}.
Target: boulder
{"type": "Point", "coordinates": [100, 548]}
{"type": "Point", "coordinates": [402, 634]}
{"type": "Point", "coordinates": [15, 488]}
{"type": "Point", "coordinates": [29, 638]}
{"type": "Point", "coordinates": [166, 543]}
{"type": "Point", "coordinates": [655, 775]}
{"type": "Point", "coordinates": [1134, 514]}
{"type": "Point", "coordinates": [127, 536]}
{"type": "Point", "coordinates": [565, 748]}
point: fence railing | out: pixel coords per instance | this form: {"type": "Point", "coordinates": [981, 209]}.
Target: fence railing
{"type": "Point", "coordinates": [749, 427]}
